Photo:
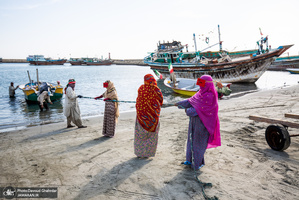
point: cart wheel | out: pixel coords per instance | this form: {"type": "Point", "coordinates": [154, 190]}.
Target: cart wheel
{"type": "Point", "coordinates": [277, 137]}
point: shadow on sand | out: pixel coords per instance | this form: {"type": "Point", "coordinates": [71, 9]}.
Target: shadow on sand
{"type": "Point", "coordinates": [104, 182]}
{"type": "Point", "coordinates": [87, 144]}
{"type": "Point", "coordinates": [48, 134]}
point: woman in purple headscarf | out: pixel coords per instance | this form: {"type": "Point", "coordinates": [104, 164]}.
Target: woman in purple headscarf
{"type": "Point", "coordinates": [204, 126]}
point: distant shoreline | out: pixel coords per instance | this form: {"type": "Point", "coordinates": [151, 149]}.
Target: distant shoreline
{"type": "Point", "coordinates": [115, 61]}
{"type": "Point", "coordinates": [276, 66]}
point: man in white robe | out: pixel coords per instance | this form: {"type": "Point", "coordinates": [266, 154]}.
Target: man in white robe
{"type": "Point", "coordinates": [71, 107]}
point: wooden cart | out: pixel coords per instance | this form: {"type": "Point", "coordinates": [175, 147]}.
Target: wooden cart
{"type": "Point", "coordinates": [277, 135]}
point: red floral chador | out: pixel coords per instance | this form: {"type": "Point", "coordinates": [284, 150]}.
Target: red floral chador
{"type": "Point", "coordinates": [148, 103]}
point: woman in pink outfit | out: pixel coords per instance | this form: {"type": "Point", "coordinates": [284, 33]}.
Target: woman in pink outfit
{"type": "Point", "coordinates": [204, 126]}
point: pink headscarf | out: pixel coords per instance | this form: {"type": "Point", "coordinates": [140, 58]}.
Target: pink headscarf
{"type": "Point", "coordinates": [205, 102]}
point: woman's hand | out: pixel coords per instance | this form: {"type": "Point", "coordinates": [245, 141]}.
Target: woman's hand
{"type": "Point", "coordinates": [96, 98]}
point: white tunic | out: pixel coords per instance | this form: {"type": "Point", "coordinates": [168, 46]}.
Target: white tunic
{"type": "Point", "coordinates": [71, 102]}
{"type": "Point", "coordinates": [42, 97]}
{"type": "Point", "coordinates": [12, 91]}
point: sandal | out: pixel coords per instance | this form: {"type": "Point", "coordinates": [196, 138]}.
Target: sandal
{"type": "Point", "coordinates": [186, 163]}
{"type": "Point", "coordinates": [200, 166]}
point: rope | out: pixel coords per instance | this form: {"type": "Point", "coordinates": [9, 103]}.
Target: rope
{"type": "Point", "coordinates": [163, 106]}
{"type": "Point", "coordinates": [168, 105]}
{"type": "Point", "coordinates": [86, 97]}
{"type": "Point", "coordinates": [202, 184]}
{"type": "Point", "coordinates": [109, 100]}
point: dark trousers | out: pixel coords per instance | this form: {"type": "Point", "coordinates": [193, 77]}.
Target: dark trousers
{"type": "Point", "coordinates": [45, 106]}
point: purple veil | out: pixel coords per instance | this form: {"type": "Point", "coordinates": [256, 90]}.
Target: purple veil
{"type": "Point", "coordinates": [205, 102]}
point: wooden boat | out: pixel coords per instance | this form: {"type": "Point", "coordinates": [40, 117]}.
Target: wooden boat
{"type": "Point", "coordinates": [225, 69]}
{"type": "Point", "coordinates": [76, 61]}
{"type": "Point", "coordinates": [188, 87]}
{"type": "Point", "coordinates": [174, 51]}
{"type": "Point", "coordinates": [90, 61]}
{"type": "Point", "coordinates": [175, 56]}
{"type": "Point", "coordinates": [172, 56]}
{"type": "Point", "coordinates": [31, 91]}
{"type": "Point", "coordinates": [282, 63]}
{"type": "Point", "coordinates": [293, 70]}
{"type": "Point", "coordinates": [49, 62]}
{"type": "Point", "coordinates": [41, 60]}
{"type": "Point", "coordinates": [99, 62]}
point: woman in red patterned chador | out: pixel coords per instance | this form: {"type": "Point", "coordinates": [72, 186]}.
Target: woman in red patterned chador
{"type": "Point", "coordinates": [148, 107]}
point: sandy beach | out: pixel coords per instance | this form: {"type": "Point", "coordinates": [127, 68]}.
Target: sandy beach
{"type": "Point", "coordinates": [84, 165]}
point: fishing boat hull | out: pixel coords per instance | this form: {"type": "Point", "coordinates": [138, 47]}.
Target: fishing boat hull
{"type": "Point", "coordinates": [76, 62]}
{"type": "Point", "coordinates": [30, 93]}
{"type": "Point", "coordinates": [209, 54]}
{"type": "Point", "coordinates": [293, 71]}
{"type": "Point", "coordinates": [283, 63]}
{"type": "Point", "coordinates": [184, 92]}
{"type": "Point", "coordinates": [188, 87]}
{"type": "Point", "coordinates": [239, 70]}
{"type": "Point", "coordinates": [48, 62]}
{"type": "Point", "coordinates": [104, 62]}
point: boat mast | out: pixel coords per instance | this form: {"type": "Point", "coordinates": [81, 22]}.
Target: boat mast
{"type": "Point", "coordinates": [37, 78]}
{"type": "Point", "coordinates": [29, 79]}
{"type": "Point", "coordinates": [220, 43]}
{"type": "Point", "coordinates": [194, 42]}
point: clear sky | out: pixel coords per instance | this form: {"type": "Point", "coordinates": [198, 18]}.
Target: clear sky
{"type": "Point", "coordinates": [130, 29]}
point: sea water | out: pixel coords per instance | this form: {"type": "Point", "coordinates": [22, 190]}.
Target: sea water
{"type": "Point", "coordinates": [16, 113]}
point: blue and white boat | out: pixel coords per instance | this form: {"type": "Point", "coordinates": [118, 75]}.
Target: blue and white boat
{"type": "Point", "coordinates": [41, 60]}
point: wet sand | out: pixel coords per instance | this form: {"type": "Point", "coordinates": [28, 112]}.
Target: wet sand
{"type": "Point", "coordinates": [84, 165]}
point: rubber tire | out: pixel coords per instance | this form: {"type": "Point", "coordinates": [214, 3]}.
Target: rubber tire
{"type": "Point", "coordinates": [277, 137]}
